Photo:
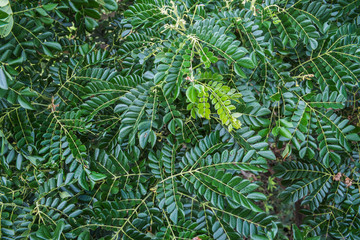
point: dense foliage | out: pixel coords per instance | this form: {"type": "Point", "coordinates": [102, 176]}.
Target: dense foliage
{"type": "Point", "coordinates": [170, 119]}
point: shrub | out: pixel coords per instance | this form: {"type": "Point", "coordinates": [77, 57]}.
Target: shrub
{"type": "Point", "coordinates": [162, 122]}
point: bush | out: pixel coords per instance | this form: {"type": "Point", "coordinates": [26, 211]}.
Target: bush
{"type": "Point", "coordinates": [172, 119]}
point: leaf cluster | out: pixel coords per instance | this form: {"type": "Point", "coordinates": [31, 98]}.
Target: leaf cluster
{"type": "Point", "coordinates": [159, 121]}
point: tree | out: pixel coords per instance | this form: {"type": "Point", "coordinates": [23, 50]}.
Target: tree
{"type": "Point", "coordinates": [159, 122]}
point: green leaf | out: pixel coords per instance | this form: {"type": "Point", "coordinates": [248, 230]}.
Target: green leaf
{"type": "Point", "coordinates": [90, 24]}
{"type": "Point", "coordinates": [83, 182]}
{"type": "Point", "coordinates": [28, 92]}
{"type": "Point", "coordinates": [143, 138]}
{"type": "Point", "coordinates": [174, 216]}
{"type": "Point", "coordinates": [276, 97]}
{"type": "Point", "coordinates": [285, 132]}
{"type": "Point", "coordinates": [59, 229]}
{"type": "Point", "coordinates": [97, 176]}
{"type": "Point", "coordinates": [313, 43]}
{"type": "Point", "coordinates": [41, 11]}
{"type": "Point", "coordinates": [353, 137]}
{"type": "Point", "coordinates": [53, 45]}
{"type": "Point", "coordinates": [3, 80]}
{"type": "Point", "coordinates": [285, 123]}
{"type": "Point", "coordinates": [84, 236]}
{"type": "Point", "coordinates": [19, 161]}
{"type": "Point", "coordinates": [6, 19]}
{"type": "Point", "coordinates": [76, 213]}
{"type": "Point", "coordinates": [25, 103]}
{"type": "Point", "coordinates": [44, 233]}
{"type": "Point", "coordinates": [16, 61]}
{"type": "Point", "coordinates": [159, 77]}
{"type": "Point", "coordinates": [257, 196]}
{"type": "Point", "coordinates": [259, 237]}
{"type": "Point", "coordinates": [191, 94]}
{"type": "Point", "coordinates": [50, 6]}
{"type": "Point", "coordinates": [47, 51]}
{"type": "Point", "coordinates": [267, 154]}
{"type": "Point", "coordinates": [246, 62]}
{"type": "Point", "coordinates": [286, 151]}
{"type": "Point", "coordinates": [172, 126]}
{"type": "Point", "coordinates": [296, 233]}
{"type": "Point", "coordinates": [239, 71]}
{"type": "Point", "coordinates": [111, 5]}
{"type": "Point", "coordinates": [64, 195]}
